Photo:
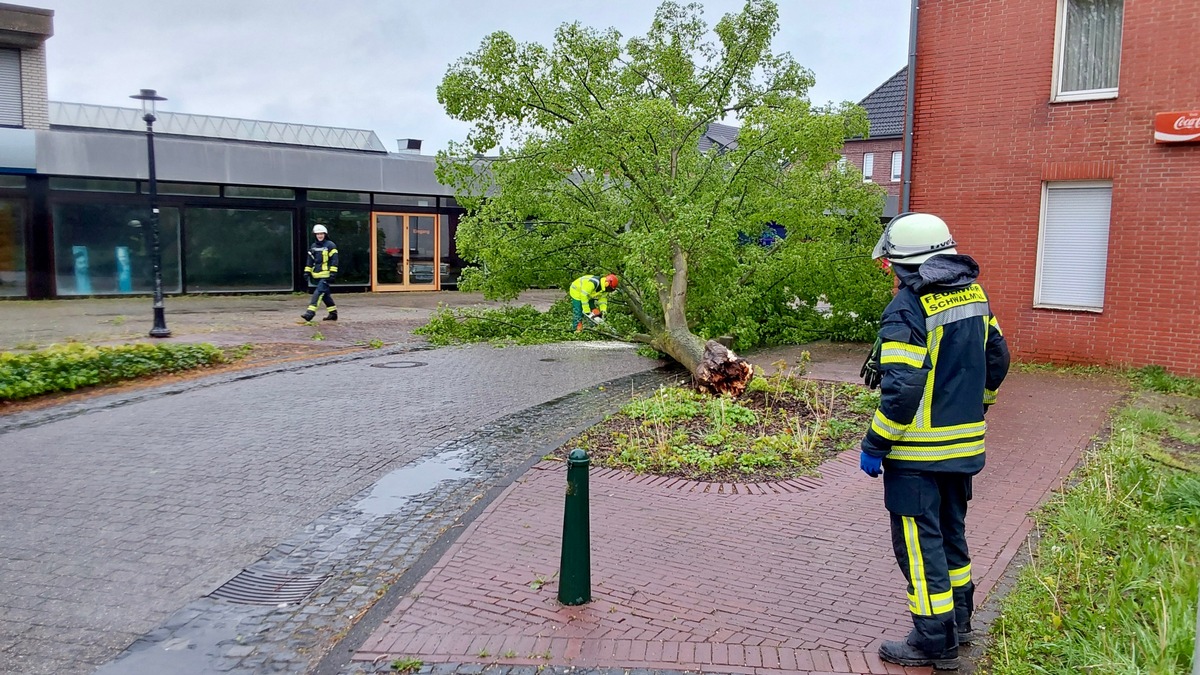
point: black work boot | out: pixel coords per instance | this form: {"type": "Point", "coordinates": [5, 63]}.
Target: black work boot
{"type": "Point", "coordinates": [308, 315]}
{"type": "Point", "coordinates": [332, 316]}
{"type": "Point", "coordinates": [904, 654]}
{"type": "Point", "coordinates": [930, 643]}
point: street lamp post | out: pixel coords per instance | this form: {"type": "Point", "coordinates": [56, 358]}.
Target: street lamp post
{"type": "Point", "coordinates": [149, 99]}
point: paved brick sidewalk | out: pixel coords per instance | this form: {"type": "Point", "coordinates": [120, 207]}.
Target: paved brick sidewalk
{"type": "Point", "coordinates": [727, 578]}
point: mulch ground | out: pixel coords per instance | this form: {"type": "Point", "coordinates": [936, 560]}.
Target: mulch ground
{"type": "Point", "coordinates": [778, 414]}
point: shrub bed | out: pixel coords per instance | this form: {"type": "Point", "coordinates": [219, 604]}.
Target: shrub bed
{"type": "Point", "coordinates": [523, 325]}
{"type": "Point", "coordinates": [71, 366]}
{"type": "Point", "coordinates": [782, 427]}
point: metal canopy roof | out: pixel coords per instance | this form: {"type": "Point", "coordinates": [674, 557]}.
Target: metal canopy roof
{"type": "Point", "coordinates": [85, 116]}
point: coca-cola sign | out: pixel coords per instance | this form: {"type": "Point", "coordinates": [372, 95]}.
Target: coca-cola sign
{"type": "Point", "coordinates": [1177, 127]}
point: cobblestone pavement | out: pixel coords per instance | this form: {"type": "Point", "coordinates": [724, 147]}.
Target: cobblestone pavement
{"type": "Point", "coordinates": [114, 519]}
{"type": "Point", "coordinates": [793, 577]}
{"type": "Point", "coordinates": [234, 319]}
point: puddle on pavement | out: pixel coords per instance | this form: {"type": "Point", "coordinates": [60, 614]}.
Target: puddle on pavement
{"type": "Point", "coordinates": [194, 650]}
{"type": "Point", "coordinates": [394, 490]}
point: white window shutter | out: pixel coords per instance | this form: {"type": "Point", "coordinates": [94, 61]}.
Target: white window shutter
{"type": "Point", "coordinates": [1074, 255]}
{"type": "Point", "coordinates": [10, 88]}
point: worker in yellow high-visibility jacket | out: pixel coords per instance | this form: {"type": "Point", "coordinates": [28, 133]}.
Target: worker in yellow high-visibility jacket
{"type": "Point", "coordinates": [589, 297]}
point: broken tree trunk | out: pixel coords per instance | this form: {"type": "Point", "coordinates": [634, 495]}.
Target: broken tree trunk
{"type": "Point", "coordinates": [715, 369]}
{"type": "Point", "coordinates": [722, 372]}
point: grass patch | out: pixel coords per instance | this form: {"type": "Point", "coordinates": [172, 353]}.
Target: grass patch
{"type": "Point", "coordinates": [1148, 378]}
{"type": "Point", "coordinates": [1113, 585]}
{"type": "Point", "coordinates": [782, 427]}
{"type": "Point", "coordinates": [238, 353]}
{"type": "Point", "coordinates": [523, 325]}
{"type": "Point", "coordinates": [71, 366]}
{"type": "Point", "coordinates": [1156, 378]}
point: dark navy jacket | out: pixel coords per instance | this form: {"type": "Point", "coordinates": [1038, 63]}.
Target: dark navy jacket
{"type": "Point", "coordinates": [322, 260]}
{"type": "Point", "coordinates": [942, 359]}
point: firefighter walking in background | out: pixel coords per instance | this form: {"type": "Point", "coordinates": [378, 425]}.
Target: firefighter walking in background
{"type": "Point", "coordinates": [322, 269]}
{"type": "Point", "coordinates": [589, 298]}
{"type": "Point", "coordinates": [941, 358]}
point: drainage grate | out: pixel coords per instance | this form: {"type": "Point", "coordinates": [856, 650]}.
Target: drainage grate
{"type": "Point", "coordinates": [548, 360]}
{"type": "Point", "coordinates": [252, 587]}
{"type": "Point", "coordinates": [399, 364]}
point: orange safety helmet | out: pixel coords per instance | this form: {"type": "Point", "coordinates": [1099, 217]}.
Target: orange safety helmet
{"type": "Point", "coordinates": [610, 281]}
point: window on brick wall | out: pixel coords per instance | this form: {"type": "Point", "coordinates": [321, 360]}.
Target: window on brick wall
{"type": "Point", "coordinates": [1073, 246]}
{"type": "Point", "coordinates": [1088, 49]}
{"type": "Point", "coordinates": [897, 165]}
{"type": "Point", "coordinates": [10, 88]}
{"type": "Point", "coordinates": [868, 166]}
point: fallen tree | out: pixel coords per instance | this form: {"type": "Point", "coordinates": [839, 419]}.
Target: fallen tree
{"type": "Point", "coordinates": [610, 156]}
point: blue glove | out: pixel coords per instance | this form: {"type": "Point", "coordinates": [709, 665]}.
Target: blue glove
{"type": "Point", "coordinates": [870, 464]}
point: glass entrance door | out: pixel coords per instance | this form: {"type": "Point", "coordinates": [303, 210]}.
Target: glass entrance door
{"type": "Point", "coordinates": [405, 256]}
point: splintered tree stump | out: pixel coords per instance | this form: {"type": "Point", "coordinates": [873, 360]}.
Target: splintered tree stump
{"type": "Point", "coordinates": [722, 372]}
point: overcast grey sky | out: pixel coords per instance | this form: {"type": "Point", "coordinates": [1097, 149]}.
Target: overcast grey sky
{"type": "Point", "coordinates": [375, 64]}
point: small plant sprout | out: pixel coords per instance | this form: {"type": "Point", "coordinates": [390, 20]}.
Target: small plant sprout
{"type": "Point", "coordinates": [407, 665]}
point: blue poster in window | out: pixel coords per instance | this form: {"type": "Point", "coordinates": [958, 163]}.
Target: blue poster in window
{"type": "Point", "coordinates": [83, 279]}
{"type": "Point", "coordinates": [124, 270]}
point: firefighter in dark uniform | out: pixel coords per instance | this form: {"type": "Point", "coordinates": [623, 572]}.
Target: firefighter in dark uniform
{"type": "Point", "coordinates": [939, 360]}
{"type": "Point", "coordinates": [322, 268]}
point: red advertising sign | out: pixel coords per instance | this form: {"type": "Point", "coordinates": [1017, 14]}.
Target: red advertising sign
{"type": "Point", "coordinates": [1177, 127]}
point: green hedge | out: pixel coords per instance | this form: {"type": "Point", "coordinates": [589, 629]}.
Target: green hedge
{"type": "Point", "coordinates": [71, 366]}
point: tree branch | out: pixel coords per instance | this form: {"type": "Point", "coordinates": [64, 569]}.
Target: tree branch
{"type": "Point", "coordinates": [543, 107]}
{"type": "Point", "coordinates": [583, 81]}
{"type": "Point", "coordinates": [646, 78]}
{"type": "Point", "coordinates": [637, 306]}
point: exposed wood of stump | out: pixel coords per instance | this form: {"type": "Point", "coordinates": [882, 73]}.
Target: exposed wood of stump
{"type": "Point", "coordinates": [722, 372]}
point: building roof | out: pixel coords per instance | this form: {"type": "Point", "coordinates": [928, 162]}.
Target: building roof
{"type": "Point", "coordinates": [112, 118]}
{"type": "Point", "coordinates": [885, 113]}
{"type": "Point", "coordinates": [885, 106]}
{"type": "Point", "coordinates": [722, 136]}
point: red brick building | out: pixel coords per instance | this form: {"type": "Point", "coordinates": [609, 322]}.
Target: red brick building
{"type": "Point", "coordinates": [880, 155]}
{"type": "Point", "coordinates": [1034, 137]}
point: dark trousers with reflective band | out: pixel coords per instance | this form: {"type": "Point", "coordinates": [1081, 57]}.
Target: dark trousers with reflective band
{"type": "Point", "coordinates": [322, 293]}
{"type": "Point", "coordinates": [928, 512]}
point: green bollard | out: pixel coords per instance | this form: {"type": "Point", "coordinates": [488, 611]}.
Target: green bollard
{"type": "Point", "coordinates": [575, 568]}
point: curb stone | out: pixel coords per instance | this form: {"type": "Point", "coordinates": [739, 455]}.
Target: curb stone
{"type": "Point", "coordinates": [56, 413]}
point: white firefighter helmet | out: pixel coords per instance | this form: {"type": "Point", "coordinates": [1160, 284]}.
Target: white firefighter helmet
{"type": "Point", "coordinates": [320, 229]}
{"type": "Point", "coordinates": [913, 238]}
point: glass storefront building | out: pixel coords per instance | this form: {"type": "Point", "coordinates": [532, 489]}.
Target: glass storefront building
{"type": "Point", "coordinates": [235, 208]}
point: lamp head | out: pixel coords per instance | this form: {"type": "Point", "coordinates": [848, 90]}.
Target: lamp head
{"type": "Point", "coordinates": [149, 99]}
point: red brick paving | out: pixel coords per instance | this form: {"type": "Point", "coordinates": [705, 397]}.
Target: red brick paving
{"type": "Point", "coordinates": [793, 577]}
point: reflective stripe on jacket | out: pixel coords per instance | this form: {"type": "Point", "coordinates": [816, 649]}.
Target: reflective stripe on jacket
{"type": "Point", "coordinates": [322, 259]}
{"type": "Point", "coordinates": [942, 359]}
{"type": "Point", "coordinates": [587, 289]}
